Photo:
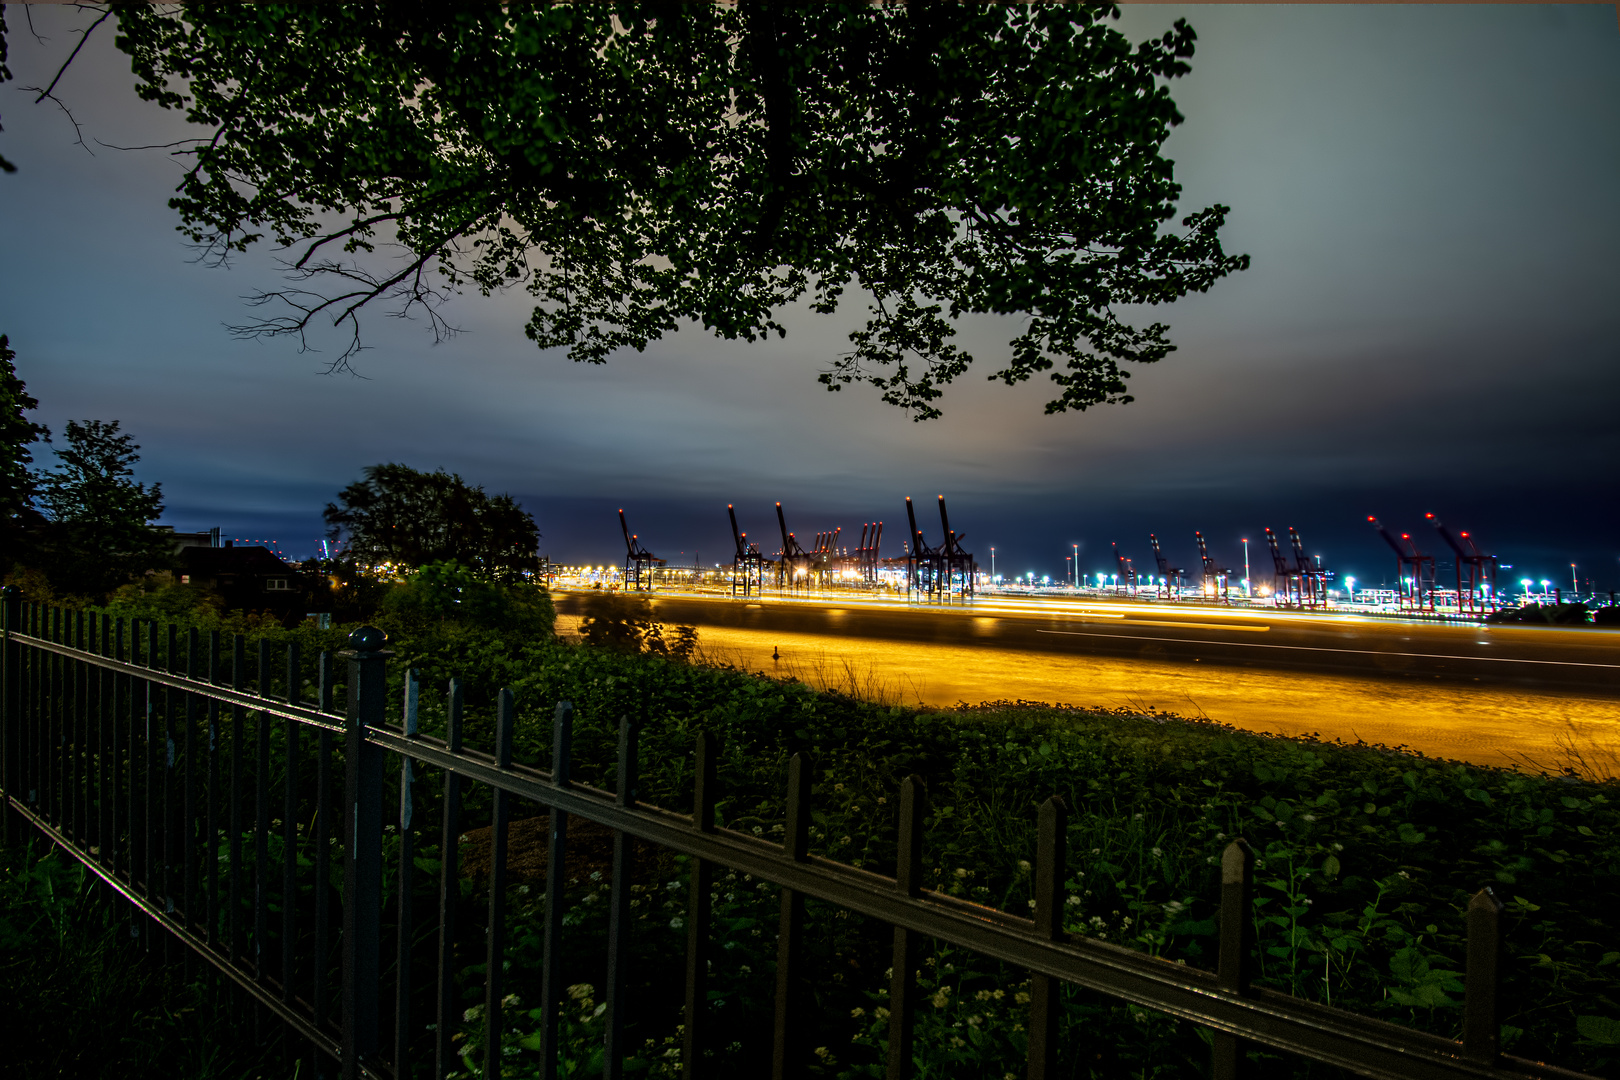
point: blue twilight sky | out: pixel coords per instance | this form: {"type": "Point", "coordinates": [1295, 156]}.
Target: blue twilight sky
{"type": "Point", "coordinates": [1430, 323]}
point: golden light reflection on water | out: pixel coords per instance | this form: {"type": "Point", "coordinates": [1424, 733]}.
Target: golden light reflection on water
{"type": "Point", "coordinates": [1488, 726]}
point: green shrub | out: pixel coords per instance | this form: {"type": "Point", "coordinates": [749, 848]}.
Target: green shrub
{"type": "Point", "coordinates": [448, 593]}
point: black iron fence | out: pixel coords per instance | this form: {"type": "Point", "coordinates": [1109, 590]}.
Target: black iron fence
{"type": "Point", "coordinates": [152, 758]}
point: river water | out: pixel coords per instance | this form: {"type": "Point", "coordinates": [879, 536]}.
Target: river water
{"type": "Point", "coordinates": [1486, 725]}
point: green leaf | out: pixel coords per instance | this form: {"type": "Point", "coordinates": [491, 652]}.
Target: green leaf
{"type": "Point", "coordinates": [1330, 866]}
{"type": "Point", "coordinates": [1599, 1029]}
{"type": "Point", "coordinates": [1408, 965]}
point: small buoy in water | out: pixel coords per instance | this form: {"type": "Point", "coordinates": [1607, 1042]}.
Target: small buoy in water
{"type": "Point", "coordinates": [775, 653]}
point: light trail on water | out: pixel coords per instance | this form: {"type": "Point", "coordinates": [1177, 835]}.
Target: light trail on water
{"type": "Point", "coordinates": [1486, 725]}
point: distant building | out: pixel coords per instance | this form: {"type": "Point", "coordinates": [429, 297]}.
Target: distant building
{"type": "Point", "coordinates": [246, 578]}
{"type": "Point", "coordinates": [183, 540]}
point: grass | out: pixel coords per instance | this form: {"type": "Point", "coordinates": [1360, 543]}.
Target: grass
{"type": "Point", "coordinates": [84, 1000]}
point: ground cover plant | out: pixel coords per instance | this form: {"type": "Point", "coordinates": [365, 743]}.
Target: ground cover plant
{"type": "Point", "coordinates": [83, 999]}
{"type": "Point", "coordinates": [1367, 858]}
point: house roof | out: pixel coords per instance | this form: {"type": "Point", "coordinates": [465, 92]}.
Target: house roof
{"type": "Point", "coordinates": [214, 562]}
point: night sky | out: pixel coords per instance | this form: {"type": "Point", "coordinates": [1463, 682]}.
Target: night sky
{"type": "Point", "coordinates": [1430, 324]}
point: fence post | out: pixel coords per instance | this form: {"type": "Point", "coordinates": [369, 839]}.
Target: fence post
{"type": "Point", "coordinates": [1236, 961]}
{"type": "Point", "coordinates": [495, 927]}
{"type": "Point", "coordinates": [362, 859]}
{"type": "Point", "coordinates": [551, 973]}
{"type": "Point", "coordinates": [705, 792]}
{"type": "Point", "coordinates": [1481, 980]}
{"type": "Point", "coordinates": [409, 724]}
{"type": "Point", "coordinates": [903, 976]}
{"type": "Point", "coordinates": [444, 1054]}
{"type": "Point", "coordinates": [1051, 867]}
{"type": "Point", "coordinates": [11, 673]}
{"type": "Point", "coordinates": [787, 1059]}
{"type": "Point", "coordinates": [627, 786]}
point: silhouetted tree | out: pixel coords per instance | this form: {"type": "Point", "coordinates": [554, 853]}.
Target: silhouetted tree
{"type": "Point", "coordinates": [17, 434]}
{"type": "Point", "coordinates": [408, 519]}
{"type": "Point", "coordinates": [98, 530]}
{"type": "Point", "coordinates": [634, 166]}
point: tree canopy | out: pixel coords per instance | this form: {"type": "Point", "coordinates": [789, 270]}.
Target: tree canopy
{"type": "Point", "coordinates": [98, 531]}
{"type": "Point", "coordinates": [405, 519]}
{"type": "Point", "coordinates": [634, 166]}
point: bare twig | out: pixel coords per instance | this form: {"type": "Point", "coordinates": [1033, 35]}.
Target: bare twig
{"type": "Point", "coordinates": [28, 12]}
{"type": "Point", "coordinates": [78, 129]}
{"type": "Point", "coordinates": [153, 146]}
{"type": "Point", "coordinates": [84, 36]}
{"type": "Point", "coordinates": [409, 284]}
{"type": "Point", "coordinates": [48, 92]}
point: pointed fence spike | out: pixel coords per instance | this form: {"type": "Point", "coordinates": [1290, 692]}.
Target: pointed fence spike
{"type": "Point", "coordinates": [1481, 980]}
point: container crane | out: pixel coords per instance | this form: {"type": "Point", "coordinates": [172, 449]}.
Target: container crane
{"type": "Point", "coordinates": [1476, 571]}
{"type": "Point", "coordinates": [638, 561]}
{"type": "Point", "coordinates": [1171, 578]}
{"type": "Point", "coordinates": [1312, 578]}
{"type": "Point", "coordinates": [1125, 581]}
{"type": "Point", "coordinates": [1215, 577]}
{"type": "Point", "coordinates": [1285, 579]}
{"type": "Point", "coordinates": [1415, 590]}
{"type": "Point", "coordinates": [747, 565]}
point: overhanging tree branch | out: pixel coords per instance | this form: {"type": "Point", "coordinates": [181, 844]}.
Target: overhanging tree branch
{"type": "Point", "coordinates": [713, 163]}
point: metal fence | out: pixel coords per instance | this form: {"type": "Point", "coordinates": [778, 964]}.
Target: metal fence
{"type": "Point", "coordinates": [150, 757]}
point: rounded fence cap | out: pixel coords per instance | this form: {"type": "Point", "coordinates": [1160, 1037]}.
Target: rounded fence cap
{"type": "Point", "coordinates": [367, 639]}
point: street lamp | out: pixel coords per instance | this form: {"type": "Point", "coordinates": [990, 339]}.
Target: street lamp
{"type": "Point", "coordinates": [1076, 565]}
{"type": "Point", "coordinates": [992, 562]}
{"type": "Point", "coordinates": [1245, 566]}
{"type": "Point", "coordinates": [1350, 586]}
{"type": "Point", "coordinates": [1544, 584]}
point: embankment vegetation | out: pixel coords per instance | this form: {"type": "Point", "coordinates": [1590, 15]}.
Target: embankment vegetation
{"type": "Point", "coordinates": [1368, 856]}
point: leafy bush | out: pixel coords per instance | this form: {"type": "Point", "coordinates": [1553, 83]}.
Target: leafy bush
{"type": "Point", "coordinates": [196, 605]}
{"type": "Point", "coordinates": [448, 593]}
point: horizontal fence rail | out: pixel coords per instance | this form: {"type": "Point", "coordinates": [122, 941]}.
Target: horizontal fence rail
{"type": "Point", "coordinates": [136, 750]}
